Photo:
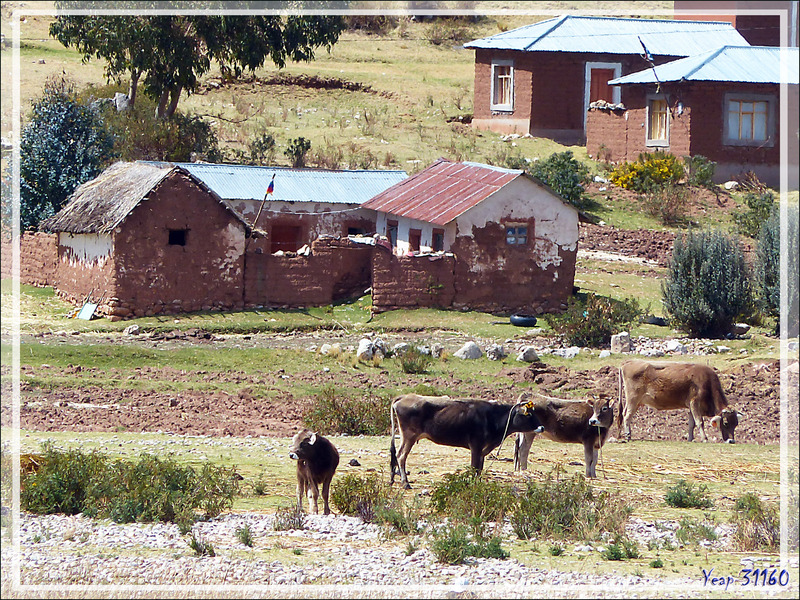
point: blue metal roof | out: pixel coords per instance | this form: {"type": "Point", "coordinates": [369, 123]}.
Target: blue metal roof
{"type": "Point", "coordinates": [243, 182]}
{"type": "Point", "coordinates": [606, 35]}
{"type": "Point", "coordinates": [744, 64]}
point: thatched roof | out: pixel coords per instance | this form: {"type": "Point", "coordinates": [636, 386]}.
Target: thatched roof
{"type": "Point", "coordinates": [102, 204]}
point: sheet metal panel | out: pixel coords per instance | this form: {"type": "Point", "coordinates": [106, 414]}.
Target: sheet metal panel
{"type": "Point", "coordinates": [748, 64]}
{"type": "Point", "coordinates": [241, 182]}
{"type": "Point", "coordinates": [605, 35]}
{"type": "Point", "coordinates": [443, 191]}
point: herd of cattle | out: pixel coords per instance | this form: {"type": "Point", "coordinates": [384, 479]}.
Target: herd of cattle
{"type": "Point", "coordinates": [481, 425]}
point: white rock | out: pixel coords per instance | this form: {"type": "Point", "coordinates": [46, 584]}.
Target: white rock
{"type": "Point", "coordinates": [605, 353]}
{"type": "Point", "coordinates": [364, 351]}
{"type": "Point", "coordinates": [131, 330]}
{"type": "Point", "coordinates": [730, 185]}
{"type": "Point", "coordinates": [676, 347]}
{"type": "Point", "coordinates": [496, 352]}
{"type": "Point", "coordinates": [572, 352]}
{"type": "Point", "coordinates": [722, 349]}
{"type": "Point", "coordinates": [621, 342]}
{"type": "Point", "coordinates": [740, 328]}
{"type": "Point", "coordinates": [470, 350]}
{"type": "Point", "coordinates": [528, 354]}
{"type": "Point", "coordinates": [652, 352]}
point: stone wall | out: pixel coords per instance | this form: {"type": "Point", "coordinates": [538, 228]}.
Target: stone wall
{"type": "Point", "coordinates": [421, 281]}
{"type": "Point", "coordinates": [38, 258]}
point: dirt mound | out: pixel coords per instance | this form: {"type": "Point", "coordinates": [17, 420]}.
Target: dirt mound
{"type": "Point", "coordinates": [641, 243]}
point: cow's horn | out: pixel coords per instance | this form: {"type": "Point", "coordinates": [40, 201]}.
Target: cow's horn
{"type": "Point", "coordinates": [312, 439]}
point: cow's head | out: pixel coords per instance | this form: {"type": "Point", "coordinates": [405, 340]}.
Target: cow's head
{"type": "Point", "coordinates": [524, 417]}
{"type": "Point", "coordinates": [726, 422]}
{"type": "Point", "coordinates": [302, 444]}
{"type": "Point", "coordinates": [603, 415]}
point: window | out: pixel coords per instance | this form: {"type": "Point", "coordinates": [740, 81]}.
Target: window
{"type": "Point", "coordinates": [177, 237]}
{"type": "Point", "coordinates": [356, 231]}
{"type": "Point", "coordinates": [414, 239]}
{"type": "Point", "coordinates": [516, 235]}
{"type": "Point", "coordinates": [657, 122]}
{"type": "Point", "coordinates": [285, 238]}
{"type": "Point", "coordinates": [749, 121]}
{"type": "Point", "coordinates": [437, 241]}
{"type": "Point", "coordinates": [502, 86]}
{"type": "Point", "coordinates": [391, 232]}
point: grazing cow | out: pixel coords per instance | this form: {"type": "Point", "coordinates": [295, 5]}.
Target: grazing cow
{"type": "Point", "coordinates": [478, 425]}
{"type": "Point", "coordinates": [317, 459]}
{"type": "Point", "coordinates": [671, 385]}
{"type": "Point", "coordinates": [571, 422]}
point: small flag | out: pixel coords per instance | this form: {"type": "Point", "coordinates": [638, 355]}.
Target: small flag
{"type": "Point", "coordinates": [647, 56]}
{"type": "Point", "coordinates": [271, 187]}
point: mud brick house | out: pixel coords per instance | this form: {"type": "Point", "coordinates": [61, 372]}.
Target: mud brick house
{"type": "Point", "coordinates": [304, 203]}
{"type": "Point", "coordinates": [470, 235]}
{"type": "Point", "coordinates": [541, 78]}
{"type": "Point", "coordinates": [723, 104]}
{"type": "Point", "coordinates": [143, 239]}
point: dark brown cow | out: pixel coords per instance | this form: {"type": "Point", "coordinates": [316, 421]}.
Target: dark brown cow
{"type": "Point", "coordinates": [464, 423]}
{"type": "Point", "coordinates": [673, 385]}
{"type": "Point", "coordinates": [570, 422]}
{"type": "Point", "coordinates": [317, 459]}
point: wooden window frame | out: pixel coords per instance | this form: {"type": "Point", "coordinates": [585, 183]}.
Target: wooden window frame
{"type": "Point", "coordinates": [650, 140]}
{"type": "Point", "coordinates": [508, 105]}
{"type": "Point", "coordinates": [769, 103]}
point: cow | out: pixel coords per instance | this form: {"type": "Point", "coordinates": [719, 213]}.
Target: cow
{"type": "Point", "coordinates": [674, 385]}
{"type": "Point", "coordinates": [571, 422]}
{"type": "Point", "coordinates": [317, 459]}
{"type": "Point", "coordinates": [478, 425]}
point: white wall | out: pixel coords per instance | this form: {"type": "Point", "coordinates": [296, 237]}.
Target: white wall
{"type": "Point", "coordinates": [88, 248]}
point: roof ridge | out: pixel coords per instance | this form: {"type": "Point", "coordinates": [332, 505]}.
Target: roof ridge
{"type": "Point", "coordinates": [559, 21]}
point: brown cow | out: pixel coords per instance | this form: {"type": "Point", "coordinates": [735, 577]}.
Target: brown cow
{"type": "Point", "coordinates": [673, 385]}
{"type": "Point", "coordinates": [571, 422]}
{"type": "Point", "coordinates": [317, 459]}
{"type": "Point", "coordinates": [475, 424]}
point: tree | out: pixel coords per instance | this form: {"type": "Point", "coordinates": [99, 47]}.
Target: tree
{"type": "Point", "coordinates": [64, 144]}
{"type": "Point", "coordinates": [172, 52]}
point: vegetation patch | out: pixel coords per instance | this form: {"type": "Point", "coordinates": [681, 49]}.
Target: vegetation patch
{"type": "Point", "coordinates": [592, 321]}
{"type": "Point", "coordinates": [336, 412]}
{"type": "Point", "coordinates": [685, 494]}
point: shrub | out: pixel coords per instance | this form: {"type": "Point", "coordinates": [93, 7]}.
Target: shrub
{"type": "Point", "coordinates": [245, 535]}
{"type": "Point", "coordinates": [668, 203]}
{"type": "Point", "coordinates": [657, 563]}
{"type": "Point", "coordinates": [464, 496]}
{"type": "Point", "coordinates": [564, 174]}
{"type": "Point", "coordinates": [415, 361]}
{"type": "Point", "coordinates": [352, 493]}
{"type": "Point", "coordinates": [452, 543]}
{"type": "Point", "coordinates": [201, 547]}
{"type": "Point", "coordinates": [297, 150]}
{"type": "Point", "coordinates": [699, 170]}
{"type": "Point", "coordinates": [288, 518]}
{"type": "Point", "coordinates": [690, 531]}
{"type": "Point", "coordinates": [594, 321]}
{"type": "Point", "coordinates": [556, 550]}
{"type": "Point", "coordinates": [400, 516]}
{"type": "Point", "coordinates": [620, 548]}
{"type": "Point", "coordinates": [757, 524]}
{"type": "Point", "coordinates": [767, 267]}
{"type": "Point", "coordinates": [685, 495]}
{"type": "Point", "coordinates": [707, 285]}
{"type": "Point", "coordinates": [567, 508]}
{"type": "Point", "coordinates": [649, 172]}
{"type": "Point", "coordinates": [759, 207]}
{"type": "Point", "coordinates": [336, 412]}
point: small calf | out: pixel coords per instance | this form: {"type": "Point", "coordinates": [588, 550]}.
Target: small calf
{"type": "Point", "coordinates": [317, 459]}
{"type": "Point", "coordinates": [571, 422]}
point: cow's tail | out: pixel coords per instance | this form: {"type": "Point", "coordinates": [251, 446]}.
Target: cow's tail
{"type": "Point", "coordinates": [393, 466]}
{"type": "Point", "coordinates": [620, 403]}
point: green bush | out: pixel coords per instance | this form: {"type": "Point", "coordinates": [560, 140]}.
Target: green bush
{"type": "Point", "coordinates": [768, 267]}
{"type": "Point", "coordinates": [297, 150]}
{"type": "Point", "coordinates": [648, 173]}
{"type": "Point", "coordinates": [757, 524]}
{"type": "Point", "coordinates": [592, 322]}
{"type": "Point", "coordinates": [336, 412]}
{"type": "Point", "coordinates": [691, 531]}
{"type": "Point", "coordinates": [402, 517]}
{"type": "Point", "coordinates": [657, 563]}
{"type": "Point", "coordinates": [245, 535]}
{"type": "Point", "coordinates": [353, 494]}
{"type": "Point", "coordinates": [567, 508]}
{"type": "Point", "coordinates": [463, 496]}
{"type": "Point", "coordinates": [414, 361]}
{"type": "Point", "coordinates": [288, 518]}
{"type": "Point", "coordinates": [200, 546]}
{"type": "Point", "coordinates": [699, 170]}
{"type": "Point", "coordinates": [620, 548]}
{"type": "Point", "coordinates": [707, 286]}
{"type": "Point", "coordinates": [564, 174]}
{"type": "Point", "coordinates": [685, 494]}
{"type": "Point", "coordinates": [668, 203]}
{"type": "Point", "coordinates": [759, 207]}
{"type": "Point", "coordinates": [452, 543]}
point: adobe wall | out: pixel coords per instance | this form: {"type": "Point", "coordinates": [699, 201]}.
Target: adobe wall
{"type": "Point", "coordinates": [524, 284]}
{"type": "Point", "coordinates": [154, 277]}
{"type": "Point", "coordinates": [421, 281]}
{"type": "Point", "coordinates": [336, 269]}
{"type": "Point", "coordinates": [38, 258]}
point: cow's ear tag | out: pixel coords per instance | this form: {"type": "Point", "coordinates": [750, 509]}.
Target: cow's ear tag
{"type": "Point", "coordinates": [312, 439]}
{"type": "Point", "coordinates": [715, 421]}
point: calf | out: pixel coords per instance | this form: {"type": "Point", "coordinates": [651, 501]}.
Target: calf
{"type": "Point", "coordinates": [571, 422]}
{"type": "Point", "coordinates": [478, 425]}
{"type": "Point", "coordinates": [317, 459]}
{"type": "Point", "coordinates": [673, 385]}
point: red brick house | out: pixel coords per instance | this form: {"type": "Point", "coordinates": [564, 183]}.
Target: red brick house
{"type": "Point", "coordinates": [723, 105]}
{"type": "Point", "coordinates": [541, 78]}
{"type": "Point", "coordinates": [759, 21]}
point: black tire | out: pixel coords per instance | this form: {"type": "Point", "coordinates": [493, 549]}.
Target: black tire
{"type": "Point", "coordinates": [523, 320]}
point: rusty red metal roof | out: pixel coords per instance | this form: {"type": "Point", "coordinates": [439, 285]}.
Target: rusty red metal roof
{"type": "Point", "coordinates": [442, 192]}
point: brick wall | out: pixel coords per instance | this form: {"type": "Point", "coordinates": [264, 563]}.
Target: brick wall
{"type": "Point", "coordinates": [411, 281]}
{"type": "Point", "coordinates": [38, 258]}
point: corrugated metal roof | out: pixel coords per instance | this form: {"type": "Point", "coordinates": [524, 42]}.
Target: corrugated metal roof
{"type": "Point", "coordinates": [242, 182]}
{"type": "Point", "coordinates": [576, 33]}
{"type": "Point", "coordinates": [745, 64]}
{"type": "Point", "coordinates": [443, 191]}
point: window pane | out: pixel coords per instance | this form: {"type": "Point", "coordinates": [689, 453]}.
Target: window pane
{"type": "Point", "coordinates": [760, 122]}
{"type": "Point", "coordinates": [502, 85]}
{"type": "Point", "coordinates": [747, 127]}
{"type": "Point", "coordinates": [657, 126]}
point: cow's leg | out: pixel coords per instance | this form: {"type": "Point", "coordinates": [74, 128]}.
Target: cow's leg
{"type": "Point", "coordinates": [690, 434]}
{"type": "Point", "coordinates": [405, 448]}
{"type": "Point", "coordinates": [590, 457]}
{"type": "Point", "coordinates": [313, 489]}
{"type": "Point", "coordinates": [301, 491]}
{"type": "Point", "coordinates": [522, 448]}
{"type": "Point", "coordinates": [477, 458]}
{"type": "Point", "coordinates": [326, 488]}
{"type": "Point", "coordinates": [698, 420]}
{"type": "Point", "coordinates": [627, 416]}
